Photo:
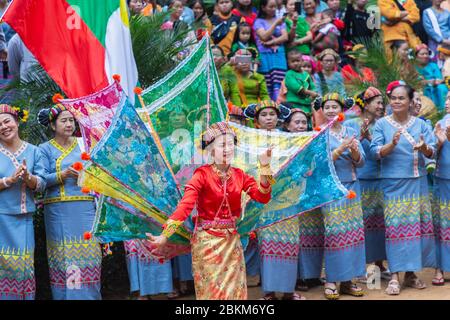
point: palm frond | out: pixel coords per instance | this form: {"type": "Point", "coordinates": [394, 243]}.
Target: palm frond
{"type": "Point", "coordinates": [386, 69]}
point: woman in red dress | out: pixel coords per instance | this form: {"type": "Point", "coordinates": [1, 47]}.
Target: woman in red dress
{"type": "Point", "coordinates": [215, 190]}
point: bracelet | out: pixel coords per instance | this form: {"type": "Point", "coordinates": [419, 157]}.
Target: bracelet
{"type": "Point", "coordinates": [5, 183]}
{"type": "Point", "coordinates": [171, 227]}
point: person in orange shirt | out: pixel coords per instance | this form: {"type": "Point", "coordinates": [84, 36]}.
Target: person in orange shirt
{"type": "Point", "coordinates": [397, 19]}
{"type": "Point", "coordinates": [151, 8]}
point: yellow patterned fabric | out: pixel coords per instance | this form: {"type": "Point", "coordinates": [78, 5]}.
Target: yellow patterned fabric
{"type": "Point", "coordinates": [218, 266]}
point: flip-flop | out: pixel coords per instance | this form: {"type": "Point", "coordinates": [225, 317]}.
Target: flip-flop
{"type": "Point", "coordinates": [352, 290]}
{"type": "Point", "coordinates": [415, 283]}
{"type": "Point", "coordinates": [438, 282]}
{"type": "Point", "coordinates": [331, 296]}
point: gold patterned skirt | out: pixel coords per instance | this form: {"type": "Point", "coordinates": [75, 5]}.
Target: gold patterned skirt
{"type": "Point", "coordinates": [218, 265]}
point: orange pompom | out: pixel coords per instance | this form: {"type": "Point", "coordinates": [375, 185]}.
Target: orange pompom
{"type": "Point", "coordinates": [351, 194]}
{"type": "Point", "coordinates": [85, 156]}
{"type": "Point", "coordinates": [85, 190]}
{"type": "Point", "coordinates": [77, 166]}
{"type": "Point", "coordinates": [57, 97]}
{"type": "Point", "coordinates": [87, 235]}
{"type": "Point", "coordinates": [230, 105]}
{"type": "Point", "coordinates": [341, 117]}
{"type": "Point", "coordinates": [138, 91]}
{"type": "Point", "coordinates": [317, 129]}
{"type": "Point", "coordinates": [252, 235]}
{"type": "Point", "coordinates": [116, 77]}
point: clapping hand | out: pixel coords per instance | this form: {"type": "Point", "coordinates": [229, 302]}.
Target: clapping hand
{"type": "Point", "coordinates": [396, 137]}
{"type": "Point", "coordinates": [421, 145]}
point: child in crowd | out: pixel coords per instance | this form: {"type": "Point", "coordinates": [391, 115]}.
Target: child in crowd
{"type": "Point", "coordinates": [225, 25]}
{"type": "Point", "coordinates": [327, 37]}
{"type": "Point", "coordinates": [243, 40]}
{"type": "Point", "coordinates": [300, 85]}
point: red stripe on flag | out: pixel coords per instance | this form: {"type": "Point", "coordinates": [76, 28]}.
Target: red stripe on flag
{"type": "Point", "coordinates": [73, 57]}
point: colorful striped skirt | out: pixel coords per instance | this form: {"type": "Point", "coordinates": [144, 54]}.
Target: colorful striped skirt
{"type": "Point", "coordinates": [218, 265]}
{"type": "Point", "coordinates": [372, 204]}
{"type": "Point", "coordinates": [410, 239]}
{"type": "Point", "coordinates": [147, 275]}
{"type": "Point", "coordinates": [278, 249]}
{"type": "Point", "coordinates": [310, 256]}
{"type": "Point", "coordinates": [74, 263]}
{"type": "Point", "coordinates": [273, 67]}
{"type": "Point", "coordinates": [442, 195]}
{"type": "Point", "coordinates": [17, 257]}
{"type": "Point", "coordinates": [345, 256]}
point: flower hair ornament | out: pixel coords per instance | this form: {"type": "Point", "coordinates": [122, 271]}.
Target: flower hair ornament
{"type": "Point", "coordinates": [421, 47]}
{"type": "Point", "coordinates": [21, 114]}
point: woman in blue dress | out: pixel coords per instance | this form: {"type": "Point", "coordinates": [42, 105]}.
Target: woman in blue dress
{"type": "Point", "coordinates": [21, 174]}
{"type": "Point", "coordinates": [371, 103]}
{"type": "Point", "coordinates": [279, 243]}
{"type": "Point", "coordinates": [442, 195]}
{"type": "Point", "coordinates": [343, 220]}
{"type": "Point", "coordinates": [74, 259]}
{"type": "Point", "coordinates": [402, 142]}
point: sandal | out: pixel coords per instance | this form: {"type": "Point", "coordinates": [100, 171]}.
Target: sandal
{"type": "Point", "coordinates": [393, 288]}
{"type": "Point", "coordinates": [414, 282]}
{"type": "Point", "coordinates": [351, 289]}
{"type": "Point", "coordinates": [334, 295]}
{"type": "Point", "coordinates": [294, 296]}
{"type": "Point", "coordinates": [438, 281]}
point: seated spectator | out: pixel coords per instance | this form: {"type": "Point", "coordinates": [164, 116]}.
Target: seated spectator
{"type": "Point", "coordinates": [397, 18]}
{"type": "Point", "coordinates": [300, 36]}
{"type": "Point", "coordinates": [444, 57]}
{"type": "Point", "coordinates": [356, 69]}
{"type": "Point", "coordinates": [247, 86]}
{"type": "Point", "coordinates": [436, 22]}
{"type": "Point", "coordinates": [280, 10]}
{"type": "Point", "coordinates": [329, 79]}
{"type": "Point", "coordinates": [434, 87]}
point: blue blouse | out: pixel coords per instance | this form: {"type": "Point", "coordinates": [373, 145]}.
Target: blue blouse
{"type": "Point", "coordinates": [56, 160]}
{"type": "Point", "coordinates": [345, 166]}
{"type": "Point", "coordinates": [19, 199]}
{"type": "Point", "coordinates": [371, 169]}
{"type": "Point", "coordinates": [404, 161]}
{"type": "Point", "coordinates": [443, 156]}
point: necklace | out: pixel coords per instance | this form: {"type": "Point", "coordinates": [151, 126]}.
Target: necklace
{"type": "Point", "coordinates": [223, 176]}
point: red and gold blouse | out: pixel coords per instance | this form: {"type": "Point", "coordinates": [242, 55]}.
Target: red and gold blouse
{"type": "Point", "coordinates": [216, 198]}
